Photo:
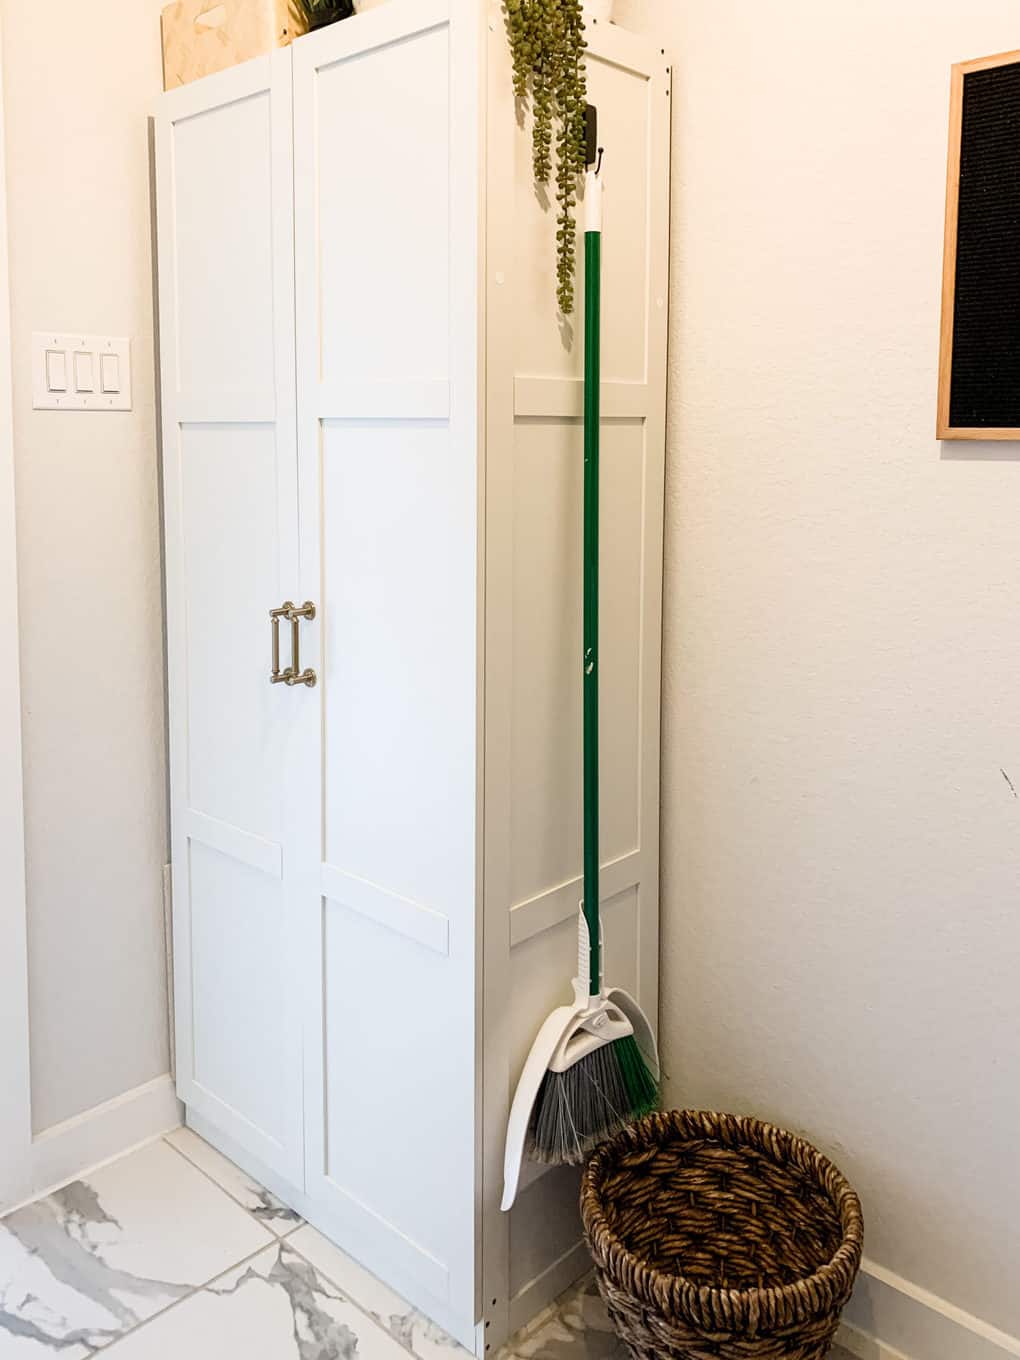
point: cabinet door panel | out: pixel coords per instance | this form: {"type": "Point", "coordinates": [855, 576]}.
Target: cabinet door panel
{"type": "Point", "coordinates": [387, 258]}
{"type": "Point", "coordinates": [396, 174]}
{"type": "Point", "coordinates": [225, 218]}
{"type": "Point", "coordinates": [395, 751]}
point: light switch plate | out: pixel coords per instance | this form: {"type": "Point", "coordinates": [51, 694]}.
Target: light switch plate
{"type": "Point", "coordinates": [95, 369]}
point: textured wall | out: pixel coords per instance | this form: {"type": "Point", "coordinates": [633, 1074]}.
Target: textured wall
{"type": "Point", "coordinates": [78, 81]}
{"type": "Point", "coordinates": [841, 848]}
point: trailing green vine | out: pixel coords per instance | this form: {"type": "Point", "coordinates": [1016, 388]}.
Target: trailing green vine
{"type": "Point", "coordinates": [319, 13]}
{"type": "Point", "coordinates": [547, 45]}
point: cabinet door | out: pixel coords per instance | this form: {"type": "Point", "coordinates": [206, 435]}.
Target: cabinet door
{"type": "Point", "coordinates": [224, 157]}
{"type": "Point", "coordinates": [386, 175]}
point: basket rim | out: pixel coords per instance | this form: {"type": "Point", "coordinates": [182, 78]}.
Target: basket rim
{"type": "Point", "coordinates": [815, 1295]}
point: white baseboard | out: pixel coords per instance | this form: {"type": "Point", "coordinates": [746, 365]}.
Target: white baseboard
{"type": "Point", "coordinates": [529, 1302]}
{"type": "Point", "coordinates": [66, 1151]}
{"type": "Point", "coordinates": [890, 1318]}
{"type": "Point", "coordinates": [866, 1347]}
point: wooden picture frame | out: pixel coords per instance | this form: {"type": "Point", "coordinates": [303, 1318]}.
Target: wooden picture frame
{"type": "Point", "coordinates": [945, 429]}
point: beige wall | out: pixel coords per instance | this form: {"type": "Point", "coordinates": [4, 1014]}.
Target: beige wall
{"type": "Point", "coordinates": [78, 81]}
{"type": "Point", "coordinates": [842, 645]}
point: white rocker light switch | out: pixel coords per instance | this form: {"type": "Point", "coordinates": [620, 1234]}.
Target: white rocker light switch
{"type": "Point", "coordinates": [76, 372]}
{"type": "Point", "coordinates": [84, 367]}
{"type": "Point", "coordinates": [109, 370]}
{"type": "Point", "coordinates": [56, 370]}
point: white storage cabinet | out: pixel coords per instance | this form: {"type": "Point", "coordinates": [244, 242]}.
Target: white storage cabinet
{"type": "Point", "coordinates": [370, 405]}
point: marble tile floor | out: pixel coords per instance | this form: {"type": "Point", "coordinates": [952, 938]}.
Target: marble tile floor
{"type": "Point", "coordinates": [172, 1251]}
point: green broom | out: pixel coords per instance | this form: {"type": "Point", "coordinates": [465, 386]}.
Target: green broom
{"type": "Point", "coordinates": [592, 1069]}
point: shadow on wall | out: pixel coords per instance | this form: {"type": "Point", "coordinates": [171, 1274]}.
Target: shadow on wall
{"type": "Point", "coordinates": [980, 451]}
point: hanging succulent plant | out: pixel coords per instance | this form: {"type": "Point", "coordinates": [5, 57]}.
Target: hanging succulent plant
{"type": "Point", "coordinates": [547, 45]}
{"type": "Point", "coordinates": [319, 13]}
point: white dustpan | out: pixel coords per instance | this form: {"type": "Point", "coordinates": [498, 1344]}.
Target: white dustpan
{"type": "Point", "coordinates": [567, 1035]}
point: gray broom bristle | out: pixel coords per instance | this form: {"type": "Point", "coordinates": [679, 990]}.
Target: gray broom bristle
{"type": "Point", "coordinates": [582, 1107]}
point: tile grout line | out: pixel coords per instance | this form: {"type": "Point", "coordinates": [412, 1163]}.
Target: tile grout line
{"type": "Point", "coordinates": [273, 1240]}
{"type": "Point", "coordinates": [373, 1318]}
{"type": "Point", "coordinates": [212, 1181]}
{"type": "Point", "coordinates": [198, 1289]}
{"type": "Point", "coordinates": [278, 1241]}
{"type": "Point", "coordinates": [526, 1333]}
{"type": "Point", "coordinates": [233, 1198]}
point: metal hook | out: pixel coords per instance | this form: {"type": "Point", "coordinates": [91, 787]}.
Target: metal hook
{"type": "Point", "coordinates": [598, 163]}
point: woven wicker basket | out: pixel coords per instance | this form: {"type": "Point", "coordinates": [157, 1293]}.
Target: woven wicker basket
{"type": "Point", "coordinates": [718, 1236]}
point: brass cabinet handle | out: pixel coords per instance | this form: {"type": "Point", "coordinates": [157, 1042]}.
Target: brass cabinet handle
{"type": "Point", "coordinates": [293, 675]}
{"type": "Point", "coordinates": [297, 676]}
{"type": "Point", "coordinates": [278, 676]}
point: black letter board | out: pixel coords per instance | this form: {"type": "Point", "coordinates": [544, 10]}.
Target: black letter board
{"type": "Point", "coordinates": [979, 365]}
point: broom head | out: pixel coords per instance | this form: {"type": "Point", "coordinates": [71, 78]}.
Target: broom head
{"type": "Point", "coordinates": [597, 1082]}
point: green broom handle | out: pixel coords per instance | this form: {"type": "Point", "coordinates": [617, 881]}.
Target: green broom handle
{"type": "Point", "coordinates": [592, 421]}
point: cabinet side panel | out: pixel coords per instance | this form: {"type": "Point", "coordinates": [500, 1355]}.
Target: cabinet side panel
{"type": "Point", "coordinates": [534, 646]}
